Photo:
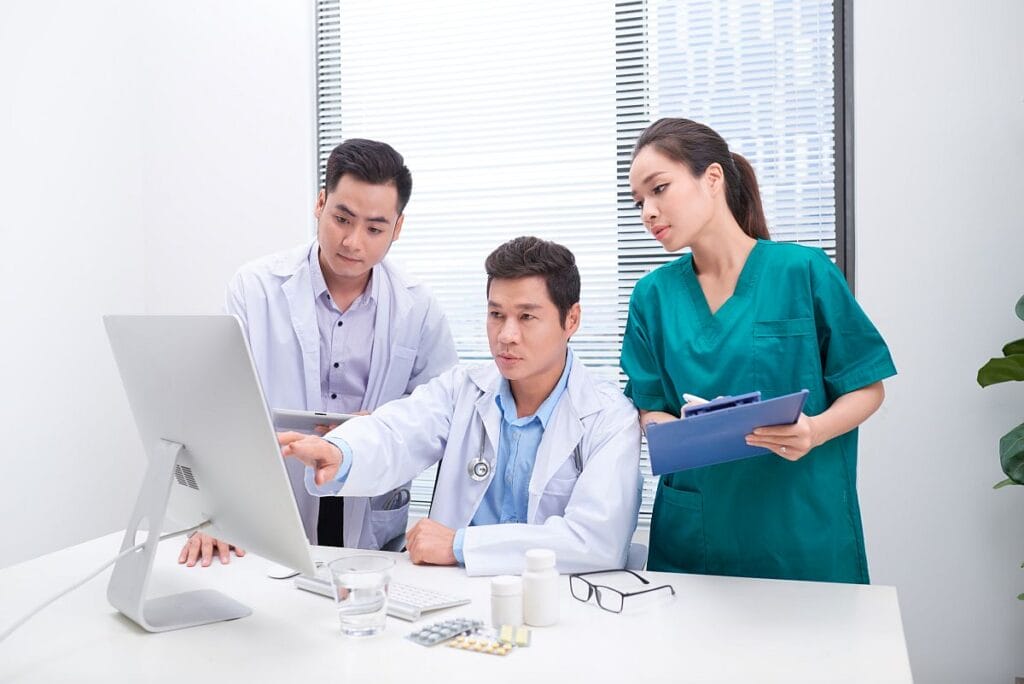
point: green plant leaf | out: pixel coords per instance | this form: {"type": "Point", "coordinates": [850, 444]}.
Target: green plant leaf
{"type": "Point", "coordinates": [1001, 370]}
{"type": "Point", "coordinates": [1015, 347]}
{"type": "Point", "coordinates": [1020, 597]}
{"type": "Point", "coordinates": [1011, 454]}
{"type": "Point", "coordinates": [1004, 483]}
{"type": "Point", "coordinates": [1020, 308]}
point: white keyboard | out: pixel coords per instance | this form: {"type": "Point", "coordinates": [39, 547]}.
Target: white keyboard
{"type": "Point", "coordinates": [405, 601]}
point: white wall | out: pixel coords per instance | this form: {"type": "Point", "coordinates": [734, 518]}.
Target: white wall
{"type": "Point", "coordinates": [151, 148]}
{"type": "Point", "coordinates": [939, 119]}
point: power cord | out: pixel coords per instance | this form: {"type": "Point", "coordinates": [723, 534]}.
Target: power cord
{"type": "Point", "coordinates": [25, 618]}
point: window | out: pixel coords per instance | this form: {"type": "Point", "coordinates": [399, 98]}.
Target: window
{"type": "Point", "coordinates": [519, 118]}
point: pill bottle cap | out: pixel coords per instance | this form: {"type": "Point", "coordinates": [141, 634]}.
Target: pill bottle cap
{"type": "Point", "coordinates": [506, 585]}
{"type": "Point", "coordinates": [540, 559]}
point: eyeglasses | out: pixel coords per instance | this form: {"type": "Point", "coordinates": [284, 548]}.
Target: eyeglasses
{"type": "Point", "coordinates": [608, 598]}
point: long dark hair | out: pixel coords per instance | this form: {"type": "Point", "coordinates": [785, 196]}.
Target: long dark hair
{"type": "Point", "coordinates": [698, 146]}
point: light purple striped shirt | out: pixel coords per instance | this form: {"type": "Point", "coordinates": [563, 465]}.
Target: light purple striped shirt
{"type": "Point", "coordinates": [346, 341]}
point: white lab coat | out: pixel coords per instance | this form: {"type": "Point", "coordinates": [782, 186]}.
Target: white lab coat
{"type": "Point", "coordinates": [412, 343]}
{"type": "Point", "coordinates": [586, 517]}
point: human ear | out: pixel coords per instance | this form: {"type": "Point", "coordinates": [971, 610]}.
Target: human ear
{"type": "Point", "coordinates": [572, 320]}
{"type": "Point", "coordinates": [398, 228]}
{"type": "Point", "coordinates": [714, 177]}
{"type": "Point", "coordinates": [321, 200]}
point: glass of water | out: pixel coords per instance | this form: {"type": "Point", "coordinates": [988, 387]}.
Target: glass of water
{"type": "Point", "coordinates": [361, 592]}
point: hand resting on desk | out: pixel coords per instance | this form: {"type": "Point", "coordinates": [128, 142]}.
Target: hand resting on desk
{"type": "Point", "coordinates": [201, 547]}
{"type": "Point", "coordinates": [430, 543]}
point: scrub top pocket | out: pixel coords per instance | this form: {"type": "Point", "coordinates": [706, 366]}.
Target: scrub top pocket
{"type": "Point", "coordinates": [787, 359]}
{"type": "Point", "coordinates": [677, 531]}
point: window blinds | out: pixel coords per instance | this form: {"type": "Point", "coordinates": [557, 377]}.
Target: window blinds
{"type": "Point", "coordinates": [519, 118]}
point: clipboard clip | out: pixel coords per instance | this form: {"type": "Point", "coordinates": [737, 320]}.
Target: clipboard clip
{"type": "Point", "coordinates": [721, 403]}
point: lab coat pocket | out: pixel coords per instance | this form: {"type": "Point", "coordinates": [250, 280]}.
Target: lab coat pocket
{"type": "Point", "coordinates": [399, 371]}
{"type": "Point", "coordinates": [677, 531]}
{"type": "Point", "coordinates": [388, 525]}
{"type": "Point", "coordinates": [555, 498]}
{"type": "Point", "coordinates": [786, 356]}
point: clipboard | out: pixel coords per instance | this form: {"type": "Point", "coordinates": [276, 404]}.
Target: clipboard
{"type": "Point", "coordinates": [714, 432]}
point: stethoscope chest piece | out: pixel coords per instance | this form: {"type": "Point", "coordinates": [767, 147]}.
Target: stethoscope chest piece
{"type": "Point", "coordinates": [479, 469]}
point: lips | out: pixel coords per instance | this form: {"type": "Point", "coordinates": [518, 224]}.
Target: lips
{"type": "Point", "coordinates": [659, 232]}
{"type": "Point", "coordinates": [348, 259]}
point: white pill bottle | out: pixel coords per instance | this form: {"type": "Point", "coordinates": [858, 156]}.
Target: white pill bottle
{"type": "Point", "coordinates": [540, 588]}
{"type": "Point", "coordinates": [506, 601]}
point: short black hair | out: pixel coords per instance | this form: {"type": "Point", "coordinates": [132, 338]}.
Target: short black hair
{"type": "Point", "coordinates": [371, 162]}
{"type": "Point", "coordinates": [530, 256]}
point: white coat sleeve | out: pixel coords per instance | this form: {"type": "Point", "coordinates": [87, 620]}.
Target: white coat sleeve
{"type": "Point", "coordinates": [234, 302]}
{"type": "Point", "coordinates": [400, 439]}
{"type": "Point", "coordinates": [595, 531]}
{"type": "Point", "coordinates": [436, 350]}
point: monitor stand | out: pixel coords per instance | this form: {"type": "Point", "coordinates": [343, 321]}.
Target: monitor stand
{"type": "Point", "coordinates": [127, 588]}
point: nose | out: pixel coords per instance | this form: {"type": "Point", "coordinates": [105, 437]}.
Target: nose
{"type": "Point", "coordinates": [350, 240]}
{"type": "Point", "coordinates": [650, 210]}
{"type": "Point", "coordinates": [509, 331]}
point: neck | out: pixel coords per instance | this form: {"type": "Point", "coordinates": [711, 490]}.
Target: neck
{"type": "Point", "coordinates": [721, 248]}
{"type": "Point", "coordinates": [343, 290]}
{"type": "Point", "coordinates": [530, 393]}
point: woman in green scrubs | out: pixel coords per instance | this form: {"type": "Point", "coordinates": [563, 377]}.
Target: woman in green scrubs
{"type": "Point", "coordinates": [738, 314]}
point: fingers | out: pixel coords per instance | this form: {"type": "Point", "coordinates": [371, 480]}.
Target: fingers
{"type": "Point", "coordinates": [224, 550]}
{"type": "Point", "coordinates": [285, 438]}
{"type": "Point", "coordinates": [193, 549]}
{"type": "Point", "coordinates": [239, 551]}
{"type": "Point", "coordinates": [183, 556]}
{"type": "Point", "coordinates": [207, 550]}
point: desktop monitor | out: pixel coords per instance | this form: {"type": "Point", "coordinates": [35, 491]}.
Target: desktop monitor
{"type": "Point", "coordinates": [212, 456]}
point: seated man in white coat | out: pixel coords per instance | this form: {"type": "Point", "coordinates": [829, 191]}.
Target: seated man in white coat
{"type": "Point", "coordinates": [334, 326]}
{"type": "Point", "coordinates": [534, 451]}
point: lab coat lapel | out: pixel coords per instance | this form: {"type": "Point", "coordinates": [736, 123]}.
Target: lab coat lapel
{"type": "Point", "coordinates": [563, 433]}
{"type": "Point", "coordinates": [486, 414]}
{"type": "Point", "coordinates": [383, 325]}
{"type": "Point", "coordinates": [298, 291]}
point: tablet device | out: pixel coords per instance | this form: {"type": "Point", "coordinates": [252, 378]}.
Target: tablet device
{"type": "Point", "coordinates": [306, 421]}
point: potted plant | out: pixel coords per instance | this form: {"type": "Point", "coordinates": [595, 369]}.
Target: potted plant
{"type": "Point", "coordinates": [1008, 367]}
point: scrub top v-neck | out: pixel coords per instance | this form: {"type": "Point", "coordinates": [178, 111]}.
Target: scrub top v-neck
{"type": "Point", "coordinates": [790, 324]}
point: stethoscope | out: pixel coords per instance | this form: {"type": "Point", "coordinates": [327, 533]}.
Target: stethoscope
{"type": "Point", "coordinates": [479, 468]}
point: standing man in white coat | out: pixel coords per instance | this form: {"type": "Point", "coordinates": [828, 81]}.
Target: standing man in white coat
{"type": "Point", "coordinates": [534, 451]}
{"type": "Point", "coordinates": [333, 326]}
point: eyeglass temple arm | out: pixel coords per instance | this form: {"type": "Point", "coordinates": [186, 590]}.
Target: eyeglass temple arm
{"type": "Point", "coordinates": [582, 575]}
{"type": "Point", "coordinates": [644, 591]}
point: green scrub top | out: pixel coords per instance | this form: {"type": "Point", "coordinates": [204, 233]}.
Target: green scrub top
{"type": "Point", "coordinates": [791, 324]}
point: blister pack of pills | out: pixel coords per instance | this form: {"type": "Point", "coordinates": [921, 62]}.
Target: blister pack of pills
{"type": "Point", "coordinates": [480, 644]}
{"type": "Point", "coordinates": [442, 631]}
{"type": "Point", "coordinates": [514, 635]}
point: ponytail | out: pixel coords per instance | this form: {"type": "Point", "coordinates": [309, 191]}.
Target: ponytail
{"type": "Point", "coordinates": [698, 146]}
{"type": "Point", "coordinates": [744, 198]}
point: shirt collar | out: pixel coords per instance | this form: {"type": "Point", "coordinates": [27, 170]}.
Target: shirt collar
{"type": "Point", "coordinates": [316, 278]}
{"type": "Point", "coordinates": [507, 404]}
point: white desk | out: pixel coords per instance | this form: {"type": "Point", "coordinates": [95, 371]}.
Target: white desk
{"type": "Point", "coordinates": [715, 629]}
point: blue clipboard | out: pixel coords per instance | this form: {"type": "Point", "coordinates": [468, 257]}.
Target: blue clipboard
{"type": "Point", "coordinates": [714, 432]}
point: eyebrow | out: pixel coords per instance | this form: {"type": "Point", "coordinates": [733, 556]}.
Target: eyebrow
{"type": "Point", "coordinates": [521, 307]}
{"type": "Point", "coordinates": [374, 219]}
